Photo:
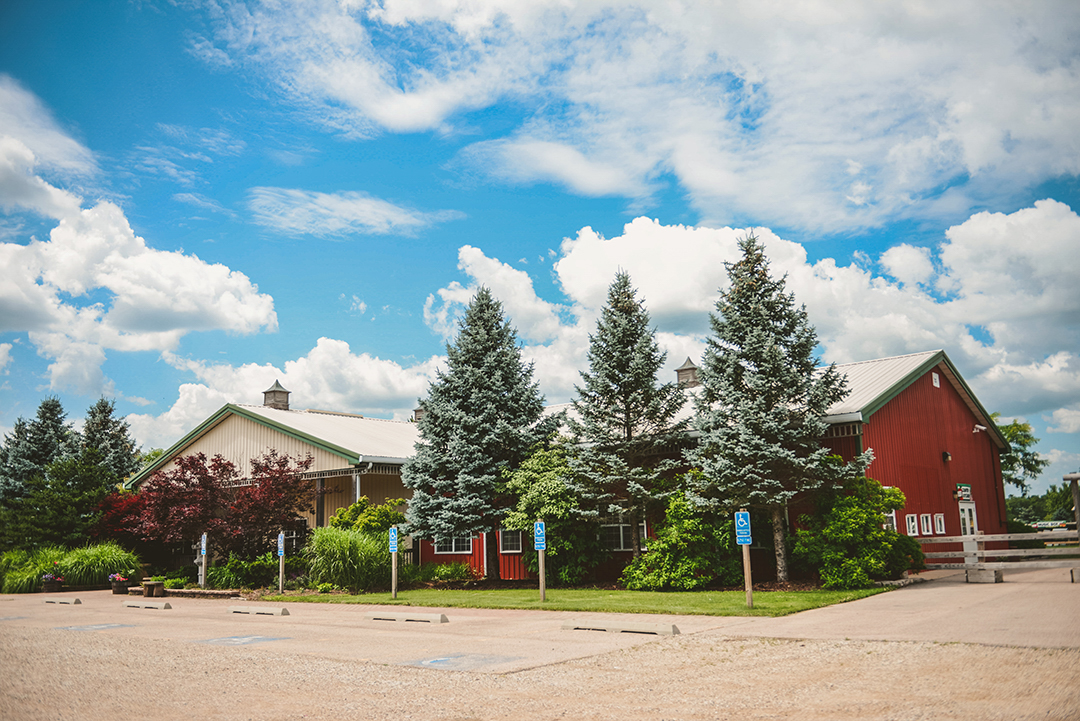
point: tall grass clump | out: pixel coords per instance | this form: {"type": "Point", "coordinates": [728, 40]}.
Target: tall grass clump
{"type": "Point", "coordinates": [91, 565]}
{"type": "Point", "coordinates": [25, 569]}
{"type": "Point", "coordinates": [348, 559]}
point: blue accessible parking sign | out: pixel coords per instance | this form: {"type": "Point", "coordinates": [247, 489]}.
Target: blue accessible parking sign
{"type": "Point", "coordinates": [742, 528]}
{"type": "Point", "coordinates": [539, 536]}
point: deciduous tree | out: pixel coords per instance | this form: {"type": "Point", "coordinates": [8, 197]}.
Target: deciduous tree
{"type": "Point", "coordinates": [1021, 465]}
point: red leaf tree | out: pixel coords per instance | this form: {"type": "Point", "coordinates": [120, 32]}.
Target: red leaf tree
{"type": "Point", "coordinates": [240, 516]}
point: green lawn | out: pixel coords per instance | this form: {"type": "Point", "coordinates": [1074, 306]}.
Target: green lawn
{"type": "Point", "coordinates": [704, 603]}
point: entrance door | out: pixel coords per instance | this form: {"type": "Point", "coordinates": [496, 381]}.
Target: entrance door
{"type": "Point", "coordinates": [969, 527]}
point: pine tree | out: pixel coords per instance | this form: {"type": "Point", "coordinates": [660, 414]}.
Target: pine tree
{"type": "Point", "coordinates": [111, 437]}
{"type": "Point", "coordinates": [33, 445]}
{"type": "Point", "coordinates": [626, 417]}
{"type": "Point", "coordinates": [482, 415]}
{"type": "Point", "coordinates": [760, 411]}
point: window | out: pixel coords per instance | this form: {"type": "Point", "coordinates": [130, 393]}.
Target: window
{"type": "Point", "coordinates": [617, 537]}
{"type": "Point", "coordinates": [890, 521]}
{"type": "Point", "coordinates": [511, 541]}
{"type": "Point", "coordinates": [936, 379]}
{"type": "Point", "coordinates": [457, 544]}
{"type": "Point", "coordinates": [912, 524]}
{"type": "Point", "coordinates": [924, 520]}
{"type": "Point", "coordinates": [939, 524]}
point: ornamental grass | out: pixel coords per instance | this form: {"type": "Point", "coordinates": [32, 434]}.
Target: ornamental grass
{"type": "Point", "coordinates": [21, 571]}
{"type": "Point", "coordinates": [348, 559]}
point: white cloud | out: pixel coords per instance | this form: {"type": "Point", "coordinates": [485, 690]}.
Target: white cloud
{"type": "Point", "coordinates": [304, 212]}
{"type": "Point", "coordinates": [5, 356]}
{"type": "Point", "coordinates": [23, 116]}
{"type": "Point", "coordinates": [329, 377]}
{"type": "Point", "coordinates": [823, 115]}
{"type": "Point", "coordinates": [908, 264]}
{"type": "Point", "coordinates": [1066, 420]}
{"type": "Point", "coordinates": [201, 201]}
{"type": "Point", "coordinates": [143, 299]}
{"type": "Point", "coordinates": [1028, 364]}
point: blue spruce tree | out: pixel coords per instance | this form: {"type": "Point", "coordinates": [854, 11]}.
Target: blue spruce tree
{"type": "Point", "coordinates": [759, 415]}
{"type": "Point", "coordinates": [625, 428]}
{"type": "Point", "coordinates": [481, 416]}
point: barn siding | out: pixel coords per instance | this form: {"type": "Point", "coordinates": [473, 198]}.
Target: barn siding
{"type": "Point", "coordinates": [908, 436]}
{"type": "Point", "coordinates": [240, 439]}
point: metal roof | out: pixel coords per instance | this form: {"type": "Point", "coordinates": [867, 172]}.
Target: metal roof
{"type": "Point", "coordinates": [867, 381]}
{"type": "Point", "coordinates": [364, 437]}
{"type": "Point", "coordinates": [873, 383]}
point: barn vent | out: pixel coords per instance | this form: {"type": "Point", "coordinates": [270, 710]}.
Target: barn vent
{"type": "Point", "coordinates": [276, 397]}
{"type": "Point", "coordinates": [686, 374]}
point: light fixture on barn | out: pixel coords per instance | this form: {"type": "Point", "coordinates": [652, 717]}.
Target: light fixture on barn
{"type": "Point", "coordinates": [946, 456]}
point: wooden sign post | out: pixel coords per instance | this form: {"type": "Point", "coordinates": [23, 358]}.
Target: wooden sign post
{"type": "Point", "coordinates": [393, 561]}
{"type": "Point", "coordinates": [742, 537]}
{"type": "Point", "coordinates": [540, 544]}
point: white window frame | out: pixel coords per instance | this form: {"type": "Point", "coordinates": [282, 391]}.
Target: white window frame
{"type": "Point", "coordinates": [924, 523]}
{"type": "Point", "coordinates": [515, 536]}
{"type": "Point", "coordinates": [939, 524]}
{"type": "Point", "coordinates": [912, 521]}
{"type": "Point", "coordinates": [626, 540]}
{"type": "Point", "coordinates": [890, 520]}
{"type": "Point", "coordinates": [454, 544]}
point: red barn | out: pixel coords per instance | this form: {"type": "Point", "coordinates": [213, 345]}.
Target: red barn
{"type": "Point", "coordinates": [931, 438]}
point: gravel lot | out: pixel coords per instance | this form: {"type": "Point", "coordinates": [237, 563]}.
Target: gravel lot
{"type": "Point", "coordinates": [52, 674]}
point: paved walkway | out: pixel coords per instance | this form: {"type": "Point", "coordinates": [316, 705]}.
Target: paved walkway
{"type": "Point", "coordinates": [1039, 609]}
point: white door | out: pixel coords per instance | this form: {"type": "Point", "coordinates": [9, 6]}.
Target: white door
{"type": "Point", "coordinates": [969, 527]}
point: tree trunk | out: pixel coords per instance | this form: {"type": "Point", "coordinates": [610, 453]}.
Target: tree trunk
{"type": "Point", "coordinates": [635, 533]}
{"type": "Point", "coordinates": [491, 565]}
{"type": "Point", "coordinates": [780, 542]}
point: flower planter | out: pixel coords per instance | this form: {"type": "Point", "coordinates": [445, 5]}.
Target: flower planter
{"type": "Point", "coordinates": [120, 588]}
{"type": "Point", "coordinates": [52, 586]}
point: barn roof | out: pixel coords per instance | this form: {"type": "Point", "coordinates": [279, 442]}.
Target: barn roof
{"type": "Point", "coordinates": [354, 438]}
{"type": "Point", "coordinates": [874, 383]}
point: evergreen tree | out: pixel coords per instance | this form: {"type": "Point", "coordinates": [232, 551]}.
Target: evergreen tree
{"type": "Point", "coordinates": [759, 415]}
{"type": "Point", "coordinates": [626, 417]}
{"type": "Point", "coordinates": [33, 445]}
{"type": "Point", "coordinates": [59, 507]}
{"type": "Point", "coordinates": [111, 437]}
{"type": "Point", "coordinates": [482, 415]}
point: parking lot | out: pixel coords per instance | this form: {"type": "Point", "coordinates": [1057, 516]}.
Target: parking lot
{"type": "Point", "coordinates": [942, 648]}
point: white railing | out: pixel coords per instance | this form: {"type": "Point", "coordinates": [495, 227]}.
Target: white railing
{"type": "Point", "coordinates": [974, 551]}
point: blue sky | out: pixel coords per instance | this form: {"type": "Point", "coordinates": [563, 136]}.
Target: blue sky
{"type": "Point", "coordinates": [198, 198]}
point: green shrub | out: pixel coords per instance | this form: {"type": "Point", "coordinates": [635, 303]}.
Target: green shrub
{"type": "Point", "coordinates": [573, 540]}
{"type": "Point", "coordinates": [259, 573]}
{"type": "Point", "coordinates": [1012, 526]}
{"type": "Point", "coordinates": [846, 540]}
{"type": "Point", "coordinates": [91, 566]}
{"type": "Point", "coordinates": [325, 587]}
{"type": "Point", "coordinates": [905, 554]}
{"type": "Point", "coordinates": [25, 570]}
{"type": "Point", "coordinates": [691, 550]}
{"type": "Point", "coordinates": [364, 517]}
{"type": "Point", "coordinates": [349, 559]}
{"type": "Point", "coordinates": [173, 583]}
{"type": "Point", "coordinates": [428, 572]}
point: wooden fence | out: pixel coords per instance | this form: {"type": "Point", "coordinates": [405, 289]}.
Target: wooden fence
{"type": "Point", "coordinates": [974, 552]}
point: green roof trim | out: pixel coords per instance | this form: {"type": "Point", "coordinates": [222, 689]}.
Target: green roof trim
{"type": "Point", "coordinates": [939, 358]}
{"type": "Point", "coordinates": [234, 410]}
